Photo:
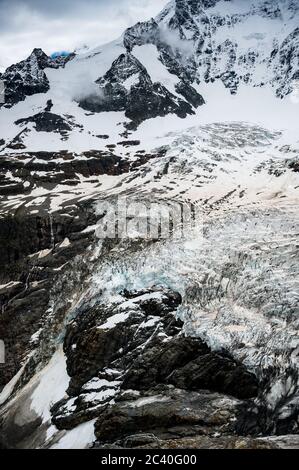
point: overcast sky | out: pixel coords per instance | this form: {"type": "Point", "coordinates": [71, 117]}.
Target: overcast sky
{"type": "Point", "coordinates": [56, 25]}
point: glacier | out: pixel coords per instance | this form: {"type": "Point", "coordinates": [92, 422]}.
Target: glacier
{"type": "Point", "coordinates": [166, 342]}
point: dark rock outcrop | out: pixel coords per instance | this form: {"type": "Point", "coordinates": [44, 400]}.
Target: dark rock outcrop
{"type": "Point", "coordinates": [186, 36]}
{"type": "Point", "coordinates": [131, 368]}
{"type": "Point", "coordinates": [127, 86]}
{"type": "Point", "coordinates": [172, 413]}
{"type": "Point", "coordinates": [21, 171]}
{"type": "Point", "coordinates": [46, 122]}
{"type": "Point", "coordinates": [28, 77]}
{"type": "Point", "coordinates": [30, 254]}
{"type": "Point", "coordinates": [104, 342]}
{"type": "Point", "coordinates": [189, 364]}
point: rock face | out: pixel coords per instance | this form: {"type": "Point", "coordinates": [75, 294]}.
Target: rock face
{"type": "Point", "coordinates": [162, 64]}
{"type": "Point", "coordinates": [171, 412]}
{"type": "Point", "coordinates": [127, 86]}
{"type": "Point", "coordinates": [164, 342]}
{"type": "Point", "coordinates": [188, 340]}
{"type": "Point", "coordinates": [23, 172]}
{"type": "Point", "coordinates": [206, 48]}
{"type": "Point", "coordinates": [46, 122]}
{"type": "Point", "coordinates": [31, 251]}
{"type": "Point", "coordinates": [130, 365]}
{"type": "Point", "coordinates": [28, 77]}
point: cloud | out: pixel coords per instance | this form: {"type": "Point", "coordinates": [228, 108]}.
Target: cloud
{"type": "Point", "coordinates": [185, 47]}
{"type": "Point", "coordinates": [66, 24]}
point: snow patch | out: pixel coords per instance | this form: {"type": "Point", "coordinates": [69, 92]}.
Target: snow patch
{"type": "Point", "coordinates": [53, 381]}
{"type": "Point", "coordinates": [78, 438]}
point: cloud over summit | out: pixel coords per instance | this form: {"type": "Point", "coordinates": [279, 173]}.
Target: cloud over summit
{"type": "Point", "coordinates": [65, 24]}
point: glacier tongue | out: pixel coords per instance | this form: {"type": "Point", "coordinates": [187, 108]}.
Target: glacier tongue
{"type": "Point", "coordinates": [195, 108]}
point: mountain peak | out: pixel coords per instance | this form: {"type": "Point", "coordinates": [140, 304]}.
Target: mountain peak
{"type": "Point", "coordinates": [28, 77]}
{"type": "Point", "coordinates": [201, 43]}
{"type": "Point", "coordinates": [141, 33]}
{"type": "Point", "coordinates": [195, 4]}
{"type": "Point", "coordinates": [133, 185]}
{"type": "Point", "coordinates": [192, 5]}
{"type": "Point", "coordinates": [42, 59]}
{"type": "Point", "coordinates": [37, 51]}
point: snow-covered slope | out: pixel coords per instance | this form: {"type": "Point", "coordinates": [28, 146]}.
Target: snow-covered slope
{"type": "Point", "coordinates": [196, 108]}
{"type": "Point", "coordinates": [235, 41]}
{"type": "Point", "coordinates": [157, 68]}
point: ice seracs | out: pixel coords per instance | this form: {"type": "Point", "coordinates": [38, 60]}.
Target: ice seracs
{"type": "Point", "coordinates": [176, 342]}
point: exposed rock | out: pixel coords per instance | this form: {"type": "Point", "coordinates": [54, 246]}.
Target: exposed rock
{"type": "Point", "coordinates": [172, 413]}
{"type": "Point", "coordinates": [29, 254]}
{"type": "Point", "coordinates": [150, 441]}
{"type": "Point", "coordinates": [28, 76]}
{"type": "Point", "coordinates": [194, 28]}
{"type": "Point", "coordinates": [216, 372]}
{"type": "Point", "coordinates": [187, 363]}
{"type": "Point", "coordinates": [46, 122]}
{"type": "Point", "coordinates": [128, 87]}
{"type": "Point", "coordinates": [168, 343]}
{"type": "Point", "coordinates": [129, 143]}
{"type": "Point", "coordinates": [103, 342]}
{"type": "Point", "coordinates": [104, 136]}
{"type": "Point", "coordinates": [146, 373]}
{"type": "Point", "coordinates": [22, 171]}
{"type": "Point", "coordinates": [190, 94]}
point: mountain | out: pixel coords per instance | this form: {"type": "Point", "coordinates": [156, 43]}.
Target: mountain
{"type": "Point", "coordinates": [28, 77]}
{"type": "Point", "coordinates": [181, 328]}
{"type": "Point", "coordinates": [232, 41]}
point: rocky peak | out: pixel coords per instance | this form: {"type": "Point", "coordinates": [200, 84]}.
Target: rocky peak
{"type": "Point", "coordinates": [42, 58]}
{"type": "Point", "coordinates": [142, 33]}
{"type": "Point", "coordinates": [199, 40]}
{"type": "Point", "coordinates": [28, 76]}
{"type": "Point", "coordinates": [37, 60]}
{"type": "Point", "coordinates": [127, 86]}
{"type": "Point", "coordinates": [193, 7]}
{"type": "Point", "coordinates": [124, 67]}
